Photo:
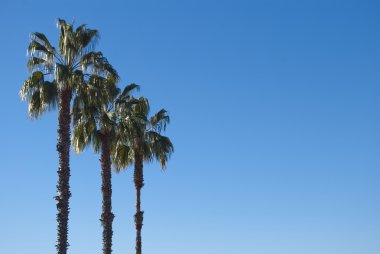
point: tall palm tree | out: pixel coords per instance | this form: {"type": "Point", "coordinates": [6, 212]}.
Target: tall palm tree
{"type": "Point", "coordinates": [56, 76]}
{"type": "Point", "coordinates": [144, 143]}
{"type": "Point", "coordinates": [95, 121]}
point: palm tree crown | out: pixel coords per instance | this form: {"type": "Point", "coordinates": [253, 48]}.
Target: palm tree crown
{"type": "Point", "coordinates": [93, 114]}
{"type": "Point", "coordinates": [68, 68]}
{"type": "Point", "coordinates": [144, 137]}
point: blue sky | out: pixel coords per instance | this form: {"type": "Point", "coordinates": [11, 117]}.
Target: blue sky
{"type": "Point", "coordinates": [275, 111]}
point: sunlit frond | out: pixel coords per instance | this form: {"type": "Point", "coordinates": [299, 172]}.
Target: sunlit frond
{"type": "Point", "coordinates": [37, 47]}
{"type": "Point", "coordinates": [41, 54]}
{"type": "Point", "coordinates": [43, 39]}
{"type": "Point", "coordinates": [67, 44]}
{"type": "Point", "coordinates": [41, 95]}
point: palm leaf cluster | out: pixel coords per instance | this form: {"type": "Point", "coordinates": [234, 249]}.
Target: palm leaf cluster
{"type": "Point", "coordinates": [83, 85]}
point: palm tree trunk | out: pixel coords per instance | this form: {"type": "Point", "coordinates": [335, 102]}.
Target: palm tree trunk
{"type": "Point", "coordinates": [107, 215]}
{"type": "Point", "coordinates": [139, 183]}
{"type": "Point", "coordinates": [63, 186]}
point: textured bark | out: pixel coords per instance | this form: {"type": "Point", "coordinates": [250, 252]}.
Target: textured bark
{"type": "Point", "coordinates": [63, 186]}
{"type": "Point", "coordinates": [138, 178]}
{"type": "Point", "coordinates": [107, 215]}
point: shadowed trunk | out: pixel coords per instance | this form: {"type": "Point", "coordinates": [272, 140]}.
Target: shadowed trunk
{"type": "Point", "coordinates": [107, 215]}
{"type": "Point", "coordinates": [139, 183]}
{"type": "Point", "coordinates": [63, 186]}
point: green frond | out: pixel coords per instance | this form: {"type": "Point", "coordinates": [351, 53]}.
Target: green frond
{"type": "Point", "coordinates": [107, 121]}
{"type": "Point", "coordinates": [41, 95]}
{"type": "Point", "coordinates": [62, 74]}
{"type": "Point", "coordinates": [80, 29]}
{"type": "Point", "coordinates": [122, 156]}
{"type": "Point", "coordinates": [142, 107]}
{"type": "Point", "coordinates": [84, 132]}
{"type": "Point", "coordinates": [128, 89]}
{"type": "Point", "coordinates": [110, 87]}
{"type": "Point", "coordinates": [35, 63]}
{"type": "Point", "coordinates": [106, 87]}
{"type": "Point", "coordinates": [41, 56]}
{"type": "Point", "coordinates": [84, 107]}
{"type": "Point", "coordinates": [76, 79]}
{"type": "Point", "coordinates": [41, 37]}
{"type": "Point", "coordinates": [69, 49]}
{"type": "Point", "coordinates": [86, 38]}
{"type": "Point", "coordinates": [49, 93]}
{"type": "Point", "coordinates": [159, 121]}
{"type": "Point", "coordinates": [76, 110]}
{"type": "Point", "coordinates": [35, 107]}
{"type": "Point", "coordinates": [37, 47]}
{"type": "Point", "coordinates": [161, 147]}
{"type": "Point", "coordinates": [31, 84]}
{"type": "Point", "coordinates": [61, 23]}
{"type": "Point", "coordinates": [125, 104]}
{"type": "Point", "coordinates": [96, 62]}
{"type": "Point", "coordinates": [97, 141]}
{"type": "Point", "coordinates": [79, 138]}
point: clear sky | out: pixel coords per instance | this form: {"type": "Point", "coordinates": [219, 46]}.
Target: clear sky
{"type": "Point", "coordinates": [275, 109]}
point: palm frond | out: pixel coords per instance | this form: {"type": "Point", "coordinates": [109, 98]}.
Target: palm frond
{"type": "Point", "coordinates": [159, 121]}
{"type": "Point", "coordinates": [97, 141]}
{"type": "Point", "coordinates": [122, 156]}
{"type": "Point", "coordinates": [79, 138]}
{"type": "Point", "coordinates": [31, 84]}
{"type": "Point", "coordinates": [35, 63]}
{"type": "Point", "coordinates": [67, 45]}
{"type": "Point", "coordinates": [128, 89]}
{"type": "Point", "coordinates": [142, 107]}
{"type": "Point", "coordinates": [40, 55]}
{"type": "Point", "coordinates": [41, 37]}
{"type": "Point", "coordinates": [41, 95]}
{"type": "Point", "coordinates": [98, 64]}
{"type": "Point", "coordinates": [84, 132]}
{"type": "Point", "coordinates": [86, 39]}
{"type": "Point", "coordinates": [35, 46]}
{"type": "Point", "coordinates": [160, 146]}
{"type": "Point", "coordinates": [62, 74]}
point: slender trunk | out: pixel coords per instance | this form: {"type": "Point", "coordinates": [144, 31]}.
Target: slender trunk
{"type": "Point", "coordinates": [63, 186]}
{"type": "Point", "coordinates": [107, 215]}
{"type": "Point", "coordinates": [139, 183]}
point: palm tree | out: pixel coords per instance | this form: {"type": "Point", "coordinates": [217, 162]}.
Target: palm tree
{"type": "Point", "coordinates": [56, 77]}
{"type": "Point", "coordinates": [144, 143]}
{"type": "Point", "coordinates": [96, 122]}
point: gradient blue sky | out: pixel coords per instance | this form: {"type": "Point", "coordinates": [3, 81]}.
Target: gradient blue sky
{"type": "Point", "coordinates": [275, 110]}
